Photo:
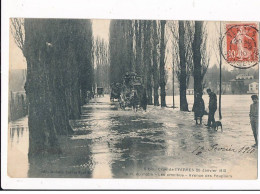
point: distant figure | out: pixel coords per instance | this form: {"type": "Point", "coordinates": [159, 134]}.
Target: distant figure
{"type": "Point", "coordinates": [135, 101]}
{"type": "Point", "coordinates": [88, 97]}
{"type": "Point", "coordinates": [122, 102]}
{"type": "Point", "coordinates": [144, 101]}
{"type": "Point", "coordinates": [198, 108]}
{"type": "Point", "coordinates": [254, 117]}
{"type": "Point", "coordinates": [212, 107]}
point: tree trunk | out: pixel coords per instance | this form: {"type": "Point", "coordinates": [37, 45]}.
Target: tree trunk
{"type": "Point", "coordinates": [183, 75]}
{"type": "Point", "coordinates": [138, 38]}
{"type": "Point", "coordinates": [162, 64]}
{"type": "Point", "coordinates": [173, 93]}
{"type": "Point", "coordinates": [53, 84]}
{"type": "Point", "coordinates": [196, 45]}
{"type": "Point", "coordinates": [42, 133]}
{"type": "Point", "coordinates": [148, 65]}
{"type": "Point", "coordinates": [155, 65]}
{"type": "Point", "coordinates": [130, 39]}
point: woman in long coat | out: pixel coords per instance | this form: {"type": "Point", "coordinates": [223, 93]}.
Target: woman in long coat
{"type": "Point", "coordinates": [198, 108]}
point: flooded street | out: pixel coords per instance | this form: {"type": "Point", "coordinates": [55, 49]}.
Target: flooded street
{"type": "Point", "coordinates": [160, 143]}
{"type": "Point", "coordinates": [18, 145]}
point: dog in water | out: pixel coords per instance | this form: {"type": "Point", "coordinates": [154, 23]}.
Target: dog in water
{"type": "Point", "coordinates": [216, 125]}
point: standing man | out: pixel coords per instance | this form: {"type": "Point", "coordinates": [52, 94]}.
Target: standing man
{"type": "Point", "coordinates": [254, 117]}
{"type": "Point", "coordinates": [135, 101]}
{"type": "Point", "coordinates": [144, 100]}
{"type": "Point", "coordinates": [212, 107]}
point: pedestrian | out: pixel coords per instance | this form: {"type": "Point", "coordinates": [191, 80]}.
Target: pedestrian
{"type": "Point", "coordinates": [254, 117]}
{"type": "Point", "coordinates": [144, 100]}
{"type": "Point", "coordinates": [88, 97]}
{"type": "Point", "coordinates": [198, 108]}
{"type": "Point", "coordinates": [135, 101]}
{"type": "Point", "coordinates": [122, 102]}
{"type": "Point", "coordinates": [212, 107]}
{"type": "Point", "coordinates": [133, 97]}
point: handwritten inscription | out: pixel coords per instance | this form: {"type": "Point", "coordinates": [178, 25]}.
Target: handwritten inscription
{"type": "Point", "coordinates": [218, 148]}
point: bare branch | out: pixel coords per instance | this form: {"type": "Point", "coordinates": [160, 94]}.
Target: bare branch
{"type": "Point", "coordinates": [173, 26]}
{"type": "Point", "coordinates": [205, 52]}
{"type": "Point", "coordinates": [17, 30]}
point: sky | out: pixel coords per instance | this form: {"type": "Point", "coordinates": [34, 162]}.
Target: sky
{"type": "Point", "coordinates": [17, 60]}
{"type": "Point", "coordinates": [101, 29]}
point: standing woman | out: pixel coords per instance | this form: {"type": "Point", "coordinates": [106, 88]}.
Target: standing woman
{"type": "Point", "coordinates": [198, 108]}
{"type": "Point", "coordinates": [212, 107]}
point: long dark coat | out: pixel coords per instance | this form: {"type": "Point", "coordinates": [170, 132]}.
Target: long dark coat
{"type": "Point", "coordinates": [198, 108]}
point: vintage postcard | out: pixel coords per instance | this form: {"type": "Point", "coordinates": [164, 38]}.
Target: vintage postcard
{"type": "Point", "coordinates": [133, 99]}
{"type": "Point", "coordinates": [130, 95]}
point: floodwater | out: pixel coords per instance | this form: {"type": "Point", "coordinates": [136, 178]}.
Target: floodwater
{"type": "Point", "coordinates": [111, 143]}
{"type": "Point", "coordinates": [18, 145]}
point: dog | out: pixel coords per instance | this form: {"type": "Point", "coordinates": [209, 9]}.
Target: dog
{"type": "Point", "coordinates": [216, 125]}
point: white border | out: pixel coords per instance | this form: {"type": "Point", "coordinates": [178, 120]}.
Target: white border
{"type": "Point", "coordinates": [232, 10]}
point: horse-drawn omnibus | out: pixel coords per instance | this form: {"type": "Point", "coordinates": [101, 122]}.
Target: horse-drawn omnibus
{"type": "Point", "coordinates": [129, 92]}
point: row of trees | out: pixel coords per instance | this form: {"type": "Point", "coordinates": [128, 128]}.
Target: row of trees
{"type": "Point", "coordinates": [101, 64]}
{"type": "Point", "coordinates": [193, 57]}
{"type": "Point", "coordinates": [140, 46]}
{"type": "Point", "coordinates": [18, 106]}
{"type": "Point", "coordinates": [59, 74]}
{"type": "Point", "coordinates": [60, 70]}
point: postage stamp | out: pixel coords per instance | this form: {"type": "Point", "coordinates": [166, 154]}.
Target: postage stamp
{"type": "Point", "coordinates": [240, 45]}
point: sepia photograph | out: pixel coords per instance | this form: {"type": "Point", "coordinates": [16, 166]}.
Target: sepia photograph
{"type": "Point", "coordinates": [136, 95]}
{"type": "Point", "coordinates": [133, 99]}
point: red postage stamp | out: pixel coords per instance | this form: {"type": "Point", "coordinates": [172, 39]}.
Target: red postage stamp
{"type": "Point", "coordinates": [242, 45]}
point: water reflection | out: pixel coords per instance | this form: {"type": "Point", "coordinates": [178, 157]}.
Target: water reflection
{"type": "Point", "coordinates": [18, 145]}
{"type": "Point", "coordinates": [112, 143]}
{"type": "Point", "coordinates": [74, 162]}
{"type": "Point", "coordinates": [16, 132]}
{"type": "Point", "coordinates": [99, 143]}
{"type": "Point", "coordinates": [138, 142]}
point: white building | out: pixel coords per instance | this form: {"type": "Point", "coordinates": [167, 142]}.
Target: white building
{"type": "Point", "coordinates": [244, 76]}
{"type": "Point", "coordinates": [253, 88]}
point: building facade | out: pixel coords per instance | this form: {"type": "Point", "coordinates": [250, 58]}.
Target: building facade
{"type": "Point", "coordinates": [241, 85]}
{"type": "Point", "coordinates": [253, 88]}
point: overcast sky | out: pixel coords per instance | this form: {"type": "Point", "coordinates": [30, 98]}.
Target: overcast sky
{"type": "Point", "coordinates": [101, 29]}
{"type": "Point", "coordinates": [17, 60]}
